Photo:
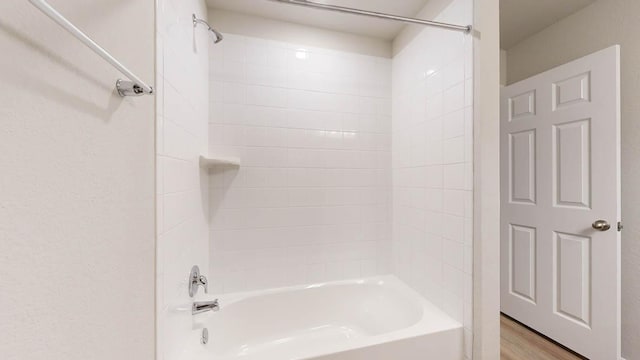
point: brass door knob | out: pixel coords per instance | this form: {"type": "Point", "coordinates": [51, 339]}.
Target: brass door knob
{"type": "Point", "coordinates": [601, 225]}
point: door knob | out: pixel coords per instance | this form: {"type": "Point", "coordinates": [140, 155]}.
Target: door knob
{"type": "Point", "coordinates": [601, 225]}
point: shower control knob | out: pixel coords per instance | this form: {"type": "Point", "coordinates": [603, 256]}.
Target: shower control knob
{"type": "Point", "coordinates": [196, 280]}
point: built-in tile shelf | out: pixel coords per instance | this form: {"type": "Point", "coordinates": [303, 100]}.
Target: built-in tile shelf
{"type": "Point", "coordinates": [213, 161]}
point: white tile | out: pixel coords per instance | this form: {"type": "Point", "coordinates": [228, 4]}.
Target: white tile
{"type": "Point", "coordinates": [160, 135]}
{"type": "Point", "coordinates": [454, 202]}
{"type": "Point", "coordinates": [453, 254]}
{"type": "Point", "coordinates": [468, 176]}
{"type": "Point", "coordinates": [306, 158]}
{"type": "Point", "coordinates": [453, 98]}
{"type": "Point", "coordinates": [306, 196]}
{"type": "Point", "coordinates": [264, 157]}
{"type": "Point", "coordinates": [235, 49]}
{"type": "Point", "coordinates": [453, 228]}
{"type": "Point", "coordinates": [179, 143]}
{"type": "Point", "coordinates": [266, 75]}
{"type": "Point", "coordinates": [453, 280]}
{"type": "Point", "coordinates": [468, 315]}
{"type": "Point", "coordinates": [435, 84]}
{"type": "Point", "coordinates": [453, 306]}
{"type": "Point", "coordinates": [176, 209]}
{"type": "Point", "coordinates": [468, 92]}
{"type": "Point", "coordinates": [468, 232]}
{"type": "Point", "coordinates": [453, 73]}
{"type": "Point", "coordinates": [266, 96]}
{"type": "Point", "coordinates": [226, 134]}
{"type": "Point", "coordinates": [261, 177]}
{"type": "Point", "coordinates": [454, 124]}
{"type": "Point", "coordinates": [454, 176]}
{"type": "Point", "coordinates": [468, 260]}
{"type": "Point", "coordinates": [468, 134]}
{"type": "Point", "coordinates": [160, 215]}
{"type": "Point", "coordinates": [264, 136]}
{"type": "Point", "coordinates": [430, 177]}
{"type": "Point", "coordinates": [434, 199]}
{"type": "Point", "coordinates": [453, 150]}
{"type": "Point", "coordinates": [229, 71]}
{"type": "Point", "coordinates": [233, 93]}
{"type": "Point", "coordinates": [178, 175]}
{"type": "Point", "coordinates": [266, 116]}
{"type": "Point", "coordinates": [468, 287]}
{"type": "Point", "coordinates": [468, 204]}
{"type": "Point", "coordinates": [435, 105]}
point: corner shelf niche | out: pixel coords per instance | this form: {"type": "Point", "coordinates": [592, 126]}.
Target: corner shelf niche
{"type": "Point", "coordinates": [210, 162]}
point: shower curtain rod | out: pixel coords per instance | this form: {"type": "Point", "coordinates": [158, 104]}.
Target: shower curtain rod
{"type": "Point", "coordinates": [346, 10]}
{"type": "Point", "coordinates": [135, 87]}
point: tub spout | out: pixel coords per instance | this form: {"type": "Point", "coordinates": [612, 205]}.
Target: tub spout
{"type": "Point", "coordinates": [204, 306]}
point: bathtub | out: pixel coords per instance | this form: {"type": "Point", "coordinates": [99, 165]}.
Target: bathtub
{"type": "Point", "coordinates": [377, 318]}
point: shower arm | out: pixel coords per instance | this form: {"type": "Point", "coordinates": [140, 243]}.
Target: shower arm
{"type": "Point", "coordinates": [219, 36]}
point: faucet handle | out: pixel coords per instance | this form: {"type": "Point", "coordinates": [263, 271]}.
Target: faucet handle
{"type": "Point", "coordinates": [196, 280]}
{"type": "Point", "coordinates": [204, 282]}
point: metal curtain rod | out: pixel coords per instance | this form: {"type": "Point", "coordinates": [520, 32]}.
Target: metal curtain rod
{"type": "Point", "coordinates": [125, 88]}
{"type": "Point", "coordinates": [378, 15]}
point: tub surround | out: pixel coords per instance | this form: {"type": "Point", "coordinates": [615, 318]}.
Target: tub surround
{"type": "Point", "coordinates": [352, 166]}
{"type": "Point", "coordinates": [311, 200]}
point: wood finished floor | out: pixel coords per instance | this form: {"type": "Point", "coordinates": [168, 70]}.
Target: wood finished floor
{"type": "Point", "coordinates": [519, 343]}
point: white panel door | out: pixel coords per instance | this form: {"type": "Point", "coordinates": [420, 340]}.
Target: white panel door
{"type": "Point", "coordinates": [560, 175]}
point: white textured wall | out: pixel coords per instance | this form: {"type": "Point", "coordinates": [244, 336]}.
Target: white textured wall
{"type": "Point", "coordinates": [182, 188]}
{"type": "Point", "coordinates": [598, 26]}
{"type": "Point", "coordinates": [310, 201]}
{"type": "Point", "coordinates": [76, 185]}
{"type": "Point", "coordinates": [432, 160]}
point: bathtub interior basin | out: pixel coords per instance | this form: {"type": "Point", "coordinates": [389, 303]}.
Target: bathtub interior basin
{"type": "Point", "coordinates": [315, 321]}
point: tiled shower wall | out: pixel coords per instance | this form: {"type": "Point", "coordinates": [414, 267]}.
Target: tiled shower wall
{"type": "Point", "coordinates": [432, 166]}
{"type": "Point", "coordinates": [182, 100]}
{"type": "Point", "coordinates": [311, 200]}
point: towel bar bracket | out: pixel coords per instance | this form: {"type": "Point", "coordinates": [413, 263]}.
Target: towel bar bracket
{"type": "Point", "coordinates": [129, 88]}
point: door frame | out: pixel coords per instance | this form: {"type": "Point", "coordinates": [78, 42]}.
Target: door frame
{"type": "Point", "coordinates": [486, 180]}
{"type": "Point", "coordinates": [615, 222]}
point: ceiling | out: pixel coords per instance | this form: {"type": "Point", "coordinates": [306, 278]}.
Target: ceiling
{"type": "Point", "coordinates": [362, 25]}
{"type": "Point", "coordinates": [520, 19]}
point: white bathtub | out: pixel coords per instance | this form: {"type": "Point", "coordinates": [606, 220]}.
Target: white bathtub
{"type": "Point", "coordinates": [377, 318]}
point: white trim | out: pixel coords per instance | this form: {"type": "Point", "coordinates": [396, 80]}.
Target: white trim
{"type": "Point", "coordinates": [486, 282]}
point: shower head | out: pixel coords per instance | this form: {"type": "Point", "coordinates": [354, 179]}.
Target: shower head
{"type": "Point", "coordinates": [218, 35]}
